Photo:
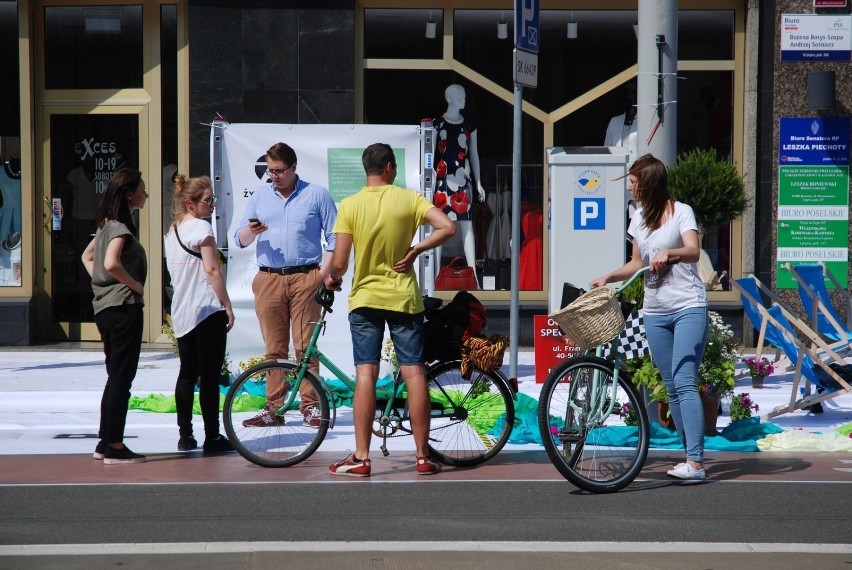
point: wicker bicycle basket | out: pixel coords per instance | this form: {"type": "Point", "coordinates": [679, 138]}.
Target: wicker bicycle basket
{"type": "Point", "coordinates": [592, 319]}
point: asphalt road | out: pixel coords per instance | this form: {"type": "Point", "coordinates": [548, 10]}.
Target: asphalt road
{"type": "Point", "coordinates": [183, 511]}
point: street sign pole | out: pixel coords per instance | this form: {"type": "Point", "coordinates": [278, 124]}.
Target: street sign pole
{"type": "Point", "coordinates": [514, 301]}
{"type": "Point", "coordinates": [525, 72]}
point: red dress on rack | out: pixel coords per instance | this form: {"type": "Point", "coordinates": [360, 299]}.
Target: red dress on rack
{"type": "Point", "coordinates": [531, 257]}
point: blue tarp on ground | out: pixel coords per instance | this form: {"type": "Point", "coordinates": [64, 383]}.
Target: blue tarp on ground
{"type": "Point", "coordinates": [738, 436]}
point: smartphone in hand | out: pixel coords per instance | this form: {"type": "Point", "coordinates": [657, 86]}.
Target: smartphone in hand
{"type": "Point", "coordinates": [254, 221]}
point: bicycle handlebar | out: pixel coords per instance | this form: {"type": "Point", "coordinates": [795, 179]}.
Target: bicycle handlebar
{"type": "Point", "coordinates": [324, 298]}
{"type": "Point", "coordinates": [626, 284]}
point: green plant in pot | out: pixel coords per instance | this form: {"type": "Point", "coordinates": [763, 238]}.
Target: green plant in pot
{"type": "Point", "coordinates": [716, 192]}
{"type": "Point", "coordinates": [714, 188]}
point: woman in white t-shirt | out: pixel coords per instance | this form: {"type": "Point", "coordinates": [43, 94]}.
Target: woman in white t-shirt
{"type": "Point", "coordinates": [665, 237]}
{"type": "Point", "coordinates": [201, 310]}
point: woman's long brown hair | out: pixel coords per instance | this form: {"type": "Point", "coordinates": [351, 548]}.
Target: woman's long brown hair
{"type": "Point", "coordinates": [652, 190]}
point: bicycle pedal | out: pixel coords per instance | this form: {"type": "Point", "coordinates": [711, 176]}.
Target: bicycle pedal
{"type": "Point", "coordinates": [570, 436]}
{"type": "Point", "coordinates": [385, 451]}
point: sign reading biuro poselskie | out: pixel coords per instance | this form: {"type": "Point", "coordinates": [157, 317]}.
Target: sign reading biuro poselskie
{"type": "Point", "coordinates": [813, 196]}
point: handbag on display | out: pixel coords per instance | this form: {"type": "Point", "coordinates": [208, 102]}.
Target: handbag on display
{"type": "Point", "coordinates": [456, 276]}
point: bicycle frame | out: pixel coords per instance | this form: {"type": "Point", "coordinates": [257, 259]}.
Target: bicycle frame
{"type": "Point", "coordinates": [601, 407]}
{"type": "Point", "coordinates": [312, 351]}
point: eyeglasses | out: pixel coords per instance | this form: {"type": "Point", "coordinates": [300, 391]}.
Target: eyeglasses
{"type": "Point", "coordinates": [276, 172]}
{"type": "Point", "coordinates": [211, 201]}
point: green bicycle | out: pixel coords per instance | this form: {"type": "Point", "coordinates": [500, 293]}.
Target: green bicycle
{"type": "Point", "coordinates": [592, 421]}
{"type": "Point", "coordinates": [471, 418]}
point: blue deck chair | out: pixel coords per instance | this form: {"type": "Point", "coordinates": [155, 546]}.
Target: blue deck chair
{"type": "Point", "coordinates": [750, 289]}
{"type": "Point", "coordinates": [824, 369]}
{"type": "Point", "coordinates": [814, 294]}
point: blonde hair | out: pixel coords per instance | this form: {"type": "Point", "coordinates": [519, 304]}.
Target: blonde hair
{"type": "Point", "coordinates": [188, 189]}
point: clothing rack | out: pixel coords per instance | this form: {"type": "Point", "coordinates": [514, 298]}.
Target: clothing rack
{"type": "Point", "coordinates": [531, 177]}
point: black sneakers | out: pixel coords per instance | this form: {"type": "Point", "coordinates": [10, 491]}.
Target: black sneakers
{"type": "Point", "coordinates": [218, 445]}
{"type": "Point", "coordinates": [187, 444]}
{"type": "Point", "coordinates": [114, 456]}
{"type": "Point", "coordinates": [99, 450]}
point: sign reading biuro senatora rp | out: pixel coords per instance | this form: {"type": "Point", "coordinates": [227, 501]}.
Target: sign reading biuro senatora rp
{"type": "Point", "coordinates": [813, 196]}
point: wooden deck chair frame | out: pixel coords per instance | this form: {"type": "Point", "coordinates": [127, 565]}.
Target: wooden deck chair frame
{"type": "Point", "coordinates": [801, 329]}
{"type": "Point", "coordinates": [780, 363]}
{"type": "Point", "coordinates": [817, 306]}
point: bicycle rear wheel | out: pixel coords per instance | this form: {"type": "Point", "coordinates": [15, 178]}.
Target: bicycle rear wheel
{"type": "Point", "coordinates": [596, 452]}
{"type": "Point", "coordinates": [285, 440]}
{"type": "Point", "coordinates": [471, 419]}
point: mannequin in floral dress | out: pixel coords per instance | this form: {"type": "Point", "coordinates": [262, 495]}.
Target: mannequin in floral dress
{"type": "Point", "coordinates": [457, 169]}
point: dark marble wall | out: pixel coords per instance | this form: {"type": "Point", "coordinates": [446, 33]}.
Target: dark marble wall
{"type": "Point", "coordinates": [268, 62]}
{"type": "Point", "coordinates": [790, 99]}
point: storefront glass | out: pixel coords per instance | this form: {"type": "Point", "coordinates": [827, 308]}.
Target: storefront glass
{"type": "Point", "coordinates": [605, 45]}
{"type": "Point", "coordinates": [10, 150]}
{"type": "Point", "coordinates": [85, 151]}
{"type": "Point", "coordinates": [93, 47]}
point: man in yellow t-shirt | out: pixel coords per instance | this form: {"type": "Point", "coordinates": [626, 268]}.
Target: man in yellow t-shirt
{"type": "Point", "coordinates": [380, 222]}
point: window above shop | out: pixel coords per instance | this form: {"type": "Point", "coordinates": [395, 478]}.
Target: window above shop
{"type": "Point", "coordinates": [93, 47]}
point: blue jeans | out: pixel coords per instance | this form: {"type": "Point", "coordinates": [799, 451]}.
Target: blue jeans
{"type": "Point", "coordinates": [677, 345]}
{"type": "Point", "coordinates": [368, 329]}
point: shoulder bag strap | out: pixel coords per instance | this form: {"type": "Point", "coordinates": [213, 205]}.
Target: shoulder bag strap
{"type": "Point", "coordinates": [186, 249]}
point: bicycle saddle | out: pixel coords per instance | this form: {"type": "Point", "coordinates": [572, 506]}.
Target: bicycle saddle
{"type": "Point", "coordinates": [324, 298]}
{"type": "Point", "coordinates": [431, 303]}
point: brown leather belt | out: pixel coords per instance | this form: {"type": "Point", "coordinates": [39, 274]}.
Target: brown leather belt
{"type": "Point", "coordinates": [290, 270]}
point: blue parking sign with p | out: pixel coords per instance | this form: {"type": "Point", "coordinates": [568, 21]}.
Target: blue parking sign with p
{"type": "Point", "coordinates": [589, 214]}
{"type": "Point", "coordinates": [527, 36]}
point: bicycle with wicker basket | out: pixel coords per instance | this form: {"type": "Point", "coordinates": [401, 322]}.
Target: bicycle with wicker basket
{"type": "Point", "coordinates": [592, 421]}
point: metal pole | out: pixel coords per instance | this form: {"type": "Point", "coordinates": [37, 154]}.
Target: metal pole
{"type": "Point", "coordinates": [516, 232]}
{"type": "Point", "coordinates": [657, 81]}
{"type": "Point", "coordinates": [222, 190]}
{"type": "Point", "coordinates": [427, 186]}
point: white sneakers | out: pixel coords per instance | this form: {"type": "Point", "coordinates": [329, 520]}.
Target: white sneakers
{"type": "Point", "coordinates": [686, 471]}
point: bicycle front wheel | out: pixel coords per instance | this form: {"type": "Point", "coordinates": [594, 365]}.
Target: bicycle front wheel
{"type": "Point", "coordinates": [278, 439]}
{"type": "Point", "coordinates": [596, 451]}
{"type": "Point", "coordinates": [471, 419]}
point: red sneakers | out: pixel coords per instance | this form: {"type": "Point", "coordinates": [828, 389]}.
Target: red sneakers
{"type": "Point", "coordinates": [266, 418]}
{"type": "Point", "coordinates": [351, 467]}
{"type": "Point", "coordinates": [312, 417]}
{"type": "Point", "coordinates": [426, 466]}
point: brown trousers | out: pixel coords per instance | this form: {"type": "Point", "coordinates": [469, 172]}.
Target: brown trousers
{"type": "Point", "coordinates": [282, 303]}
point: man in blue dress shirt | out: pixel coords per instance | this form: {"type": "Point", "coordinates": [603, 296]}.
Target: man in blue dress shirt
{"type": "Point", "coordinates": [289, 218]}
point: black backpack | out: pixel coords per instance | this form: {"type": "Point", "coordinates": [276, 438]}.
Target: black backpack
{"type": "Point", "coordinates": [449, 326]}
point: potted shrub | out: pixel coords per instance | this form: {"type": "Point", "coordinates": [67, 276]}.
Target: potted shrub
{"type": "Point", "coordinates": [713, 188]}
{"type": "Point", "coordinates": [716, 193]}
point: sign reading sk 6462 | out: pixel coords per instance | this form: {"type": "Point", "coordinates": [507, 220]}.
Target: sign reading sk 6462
{"type": "Point", "coordinates": [526, 68]}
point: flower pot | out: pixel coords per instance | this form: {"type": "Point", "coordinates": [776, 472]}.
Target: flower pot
{"type": "Point", "coordinates": [757, 381]}
{"type": "Point", "coordinates": [711, 412]}
{"type": "Point", "coordinates": [666, 420]}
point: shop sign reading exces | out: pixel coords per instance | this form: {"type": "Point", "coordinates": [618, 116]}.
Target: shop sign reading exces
{"type": "Point", "coordinates": [551, 346]}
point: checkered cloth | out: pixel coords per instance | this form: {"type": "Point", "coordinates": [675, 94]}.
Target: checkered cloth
{"type": "Point", "coordinates": [632, 342]}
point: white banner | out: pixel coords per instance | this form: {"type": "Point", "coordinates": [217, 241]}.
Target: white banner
{"type": "Point", "coordinates": [328, 155]}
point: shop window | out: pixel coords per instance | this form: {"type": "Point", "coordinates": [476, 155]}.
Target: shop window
{"type": "Point", "coordinates": [85, 152]}
{"type": "Point", "coordinates": [10, 151]}
{"type": "Point", "coordinates": [93, 47]}
{"type": "Point", "coordinates": [605, 45]}
{"type": "Point", "coordinates": [402, 34]}
{"type": "Point", "coordinates": [705, 34]}
{"type": "Point", "coordinates": [169, 127]}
